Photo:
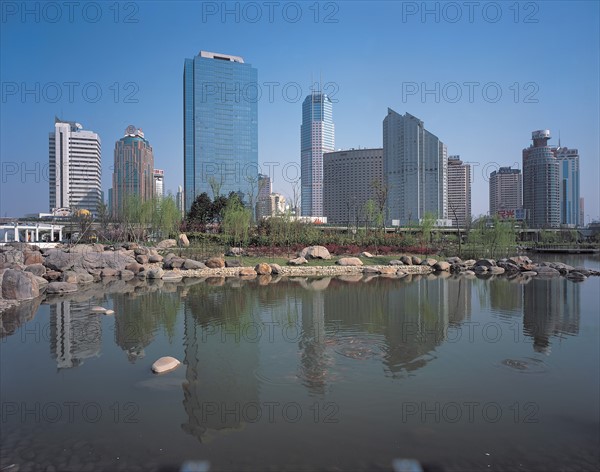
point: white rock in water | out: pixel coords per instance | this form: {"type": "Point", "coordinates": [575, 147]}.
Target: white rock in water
{"type": "Point", "coordinates": [165, 364]}
{"type": "Point", "coordinates": [109, 312]}
{"type": "Point", "coordinates": [98, 309]}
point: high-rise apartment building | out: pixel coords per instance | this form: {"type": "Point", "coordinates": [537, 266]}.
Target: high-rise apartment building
{"type": "Point", "coordinates": [568, 161]}
{"type": "Point", "coordinates": [506, 191]}
{"type": "Point", "coordinates": [133, 173]}
{"type": "Point", "coordinates": [415, 169]}
{"type": "Point", "coordinates": [350, 179]}
{"type": "Point", "coordinates": [179, 201]}
{"type": "Point", "coordinates": [317, 136]}
{"type": "Point", "coordinates": [159, 183]}
{"type": "Point", "coordinates": [459, 191]}
{"type": "Point", "coordinates": [263, 200]}
{"type": "Point", "coordinates": [74, 167]}
{"type": "Point", "coordinates": [541, 192]}
{"type": "Point", "coordinates": [581, 212]}
{"type": "Point", "coordinates": [220, 126]}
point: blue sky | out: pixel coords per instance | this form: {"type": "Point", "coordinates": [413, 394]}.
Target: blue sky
{"type": "Point", "coordinates": [543, 57]}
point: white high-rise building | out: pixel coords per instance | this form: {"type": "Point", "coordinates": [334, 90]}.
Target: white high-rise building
{"type": "Point", "coordinates": [159, 183]}
{"type": "Point", "coordinates": [74, 167]}
{"type": "Point", "coordinates": [459, 191]}
{"type": "Point", "coordinates": [415, 170]}
{"type": "Point", "coordinates": [569, 186]}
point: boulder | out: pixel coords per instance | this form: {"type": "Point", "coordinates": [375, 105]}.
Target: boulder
{"type": "Point", "coordinates": [109, 312]}
{"type": "Point", "coordinates": [19, 285]}
{"type": "Point", "coordinates": [134, 267]}
{"type": "Point", "coordinates": [174, 263]}
{"type": "Point", "coordinates": [406, 260]}
{"type": "Point", "coordinates": [416, 260]}
{"type": "Point", "coordinates": [370, 270]}
{"type": "Point", "coordinates": [496, 270]}
{"type": "Point", "coordinates": [215, 263]}
{"type": "Point", "coordinates": [154, 258]}
{"type": "Point", "coordinates": [349, 261]}
{"type": "Point", "coordinates": [165, 364]}
{"type": "Point", "coordinates": [583, 271]}
{"type": "Point", "coordinates": [454, 260]}
{"type": "Point", "coordinates": [182, 240]}
{"type": "Point", "coordinates": [142, 259]}
{"type": "Point", "coordinates": [576, 276]}
{"type": "Point", "coordinates": [480, 269]}
{"type": "Point", "coordinates": [192, 264]}
{"type": "Point", "coordinates": [166, 243]}
{"type": "Point", "coordinates": [233, 263]}
{"type": "Point", "coordinates": [366, 254]}
{"type": "Point", "coordinates": [469, 263]}
{"type": "Point", "coordinates": [388, 270]}
{"type": "Point", "coordinates": [519, 260]}
{"type": "Point", "coordinates": [30, 258]}
{"type": "Point", "coordinates": [247, 272]}
{"type": "Point", "coordinates": [42, 282]}
{"type": "Point", "coordinates": [126, 274]}
{"type": "Point", "coordinates": [236, 252]}
{"type": "Point", "coordinates": [442, 266]}
{"type": "Point", "coordinates": [69, 276]}
{"type": "Point", "coordinates": [130, 246]}
{"type": "Point", "coordinates": [108, 272]}
{"type": "Point", "coordinates": [61, 287]}
{"type": "Point", "coordinates": [52, 275]}
{"type": "Point", "coordinates": [141, 251]}
{"type": "Point", "coordinates": [297, 261]}
{"type": "Point", "coordinates": [169, 257]}
{"type": "Point", "coordinates": [36, 269]}
{"type": "Point", "coordinates": [275, 269]}
{"type": "Point", "coordinates": [396, 262]}
{"type": "Point", "coordinates": [263, 269]}
{"type": "Point", "coordinates": [170, 276]}
{"type": "Point", "coordinates": [315, 252]}
{"type": "Point", "coordinates": [429, 261]}
{"type": "Point", "coordinates": [57, 259]}
{"type": "Point", "coordinates": [529, 273]}
{"type": "Point", "coordinates": [10, 254]}
{"type": "Point", "coordinates": [485, 263]}
{"type": "Point", "coordinates": [84, 278]}
{"type": "Point", "coordinates": [545, 271]}
{"type": "Point", "coordinates": [155, 273]}
{"type": "Point", "coordinates": [509, 267]}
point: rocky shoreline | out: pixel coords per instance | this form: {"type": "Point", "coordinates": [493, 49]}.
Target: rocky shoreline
{"type": "Point", "coordinates": [27, 272]}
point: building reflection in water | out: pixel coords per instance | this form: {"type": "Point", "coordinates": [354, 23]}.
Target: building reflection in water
{"type": "Point", "coordinates": [75, 333]}
{"type": "Point", "coordinates": [552, 307]}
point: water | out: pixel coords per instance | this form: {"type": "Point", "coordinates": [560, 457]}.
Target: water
{"type": "Point", "coordinates": [307, 374]}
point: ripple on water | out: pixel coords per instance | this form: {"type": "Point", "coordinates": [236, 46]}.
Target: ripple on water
{"type": "Point", "coordinates": [525, 365]}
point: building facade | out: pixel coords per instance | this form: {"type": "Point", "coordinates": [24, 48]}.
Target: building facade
{"type": "Point", "coordinates": [350, 179]}
{"type": "Point", "coordinates": [263, 200]}
{"type": "Point", "coordinates": [220, 121]}
{"type": "Point", "coordinates": [568, 161]}
{"type": "Point", "coordinates": [179, 201]}
{"type": "Point", "coordinates": [459, 191]}
{"type": "Point", "coordinates": [506, 191]}
{"type": "Point", "coordinates": [541, 193]}
{"type": "Point", "coordinates": [317, 136]}
{"type": "Point", "coordinates": [415, 170]}
{"type": "Point", "coordinates": [159, 183]}
{"type": "Point", "coordinates": [74, 167]}
{"type": "Point", "coordinates": [133, 173]}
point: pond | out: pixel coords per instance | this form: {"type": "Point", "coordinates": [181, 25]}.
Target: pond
{"type": "Point", "coordinates": [347, 373]}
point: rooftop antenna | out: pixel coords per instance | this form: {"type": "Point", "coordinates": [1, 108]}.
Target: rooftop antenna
{"type": "Point", "coordinates": [559, 138]}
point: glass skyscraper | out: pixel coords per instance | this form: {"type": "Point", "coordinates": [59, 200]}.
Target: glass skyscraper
{"type": "Point", "coordinates": [220, 126]}
{"type": "Point", "coordinates": [317, 136]}
{"type": "Point", "coordinates": [569, 186]}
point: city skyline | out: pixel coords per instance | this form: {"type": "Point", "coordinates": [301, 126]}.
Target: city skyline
{"type": "Point", "coordinates": [151, 88]}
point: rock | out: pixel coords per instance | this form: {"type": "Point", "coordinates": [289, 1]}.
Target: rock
{"type": "Point", "coordinates": [108, 272]}
{"type": "Point", "coordinates": [263, 269]}
{"type": "Point", "coordinates": [370, 270]}
{"type": "Point", "coordinates": [456, 268]}
{"type": "Point", "coordinates": [583, 271]}
{"type": "Point", "coordinates": [469, 263]}
{"type": "Point", "coordinates": [275, 269]}
{"type": "Point", "coordinates": [10, 254]}
{"type": "Point", "coordinates": [56, 259]}
{"type": "Point", "coordinates": [365, 254]}
{"type": "Point", "coordinates": [315, 252]}
{"type": "Point", "coordinates": [52, 275]}
{"type": "Point", "coordinates": [97, 309]}
{"type": "Point", "coordinates": [264, 279]}
{"type": "Point", "coordinates": [576, 276]}
{"type": "Point", "coordinates": [155, 258]}
{"type": "Point", "coordinates": [396, 262]}
{"type": "Point", "coordinates": [416, 260]}
{"type": "Point", "coordinates": [134, 267]}
{"type": "Point", "coordinates": [519, 260]}
{"type": "Point", "coordinates": [155, 273]}
{"type": "Point", "coordinates": [406, 260]}
{"type": "Point", "coordinates": [32, 258]}
{"type": "Point", "coordinates": [468, 272]}
{"type": "Point", "coordinates": [529, 273]}
{"type": "Point", "coordinates": [215, 263]}
{"type": "Point", "coordinates": [182, 240]}
{"type": "Point", "coordinates": [388, 270]}
{"type": "Point", "coordinates": [84, 278]}
{"type": "Point", "coordinates": [297, 261]}
{"type": "Point", "coordinates": [496, 270]}
{"type": "Point", "coordinates": [169, 257]}
{"type": "Point", "coordinates": [247, 272]}
{"type": "Point", "coordinates": [233, 263]}
{"type": "Point", "coordinates": [61, 287]}
{"type": "Point", "coordinates": [141, 251]}
{"type": "Point", "coordinates": [19, 285]}
{"type": "Point", "coordinates": [192, 264]}
{"type": "Point", "coordinates": [174, 263]}
{"type": "Point", "coordinates": [442, 266]}
{"type": "Point", "coordinates": [165, 364]}
{"type": "Point", "coordinates": [454, 260]}
{"type": "Point", "coordinates": [69, 276]}
{"type": "Point", "coordinates": [545, 271]}
{"type": "Point", "coordinates": [130, 246]}
{"type": "Point", "coordinates": [485, 263]}
{"type": "Point", "coordinates": [429, 261]}
{"type": "Point", "coordinates": [509, 267]}
{"type": "Point", "coordinates": [166, 243]}
{"type": "Point", "coordinates": [109, 312]}
{"type": "Point", "coordinates": [126, 274]}
{"type": "Point", "coordinates": [236, 252]}
{"type": "Point", "coordinates": [481, 269]}
{"type": "Point", "coordinates": [562, 268]}
{"type": "Point", "coordinates": [36, 269]}
{"type": "Point", "coordinates": [142, 259]}
{"type": "Point", "coordinates": [170, 276]}
{"type": "Point", "coordinates": [42, 282]}
{"type": "Point", "coordinates": [349, 261]}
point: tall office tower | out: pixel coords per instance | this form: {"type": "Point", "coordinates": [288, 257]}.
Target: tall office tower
{"type": "Point", "coordinates": [459, 191]}
{"type": "Point", "coordinates": [220, 126]}
{"type": "Point", "coordinates": [263, 200]}
{"type": "Point", "coordinates": [568, 161]}
{"type": "Point", "coordinates": [133, 173]}
{"type": "Point", "coordinates": [415, 169]}
{"type": "Point", "coordinates": [179, 201]}
{"type": "Point", "coordinates": [581, 212]}
{"type": "Point", "coordinates": [541, 195]}
{"type": "Point", "coordinates": [74, 167]}
{"type": "Point", "coordinates": [159, 183]}
{"type": "Point", "coordinates": [317, 136]}
{"type": "Point", "coordinates": [506, 190]}
{"type": "Point", "coordinates": [350, 179]}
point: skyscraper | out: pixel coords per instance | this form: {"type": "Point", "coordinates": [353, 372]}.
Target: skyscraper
{"type": "Point", "coordinates": [179, 201]}
{"type": "Point", "coordinates": [263, 200]}
{"type": "Point", "coordinates": [349, 181]}
{"type": "Point", "coordinates": [317, 136]}
{"type": "Point", "coordinates": [415, 169]}
{"type": "Point", "coordinates": [541, 195]}
{"type": "Point", "coordinates": [133, 173]}
{"type": "Point", "coordinates": [74, 167]}
{"type": "Point", "coordinates": [159, 183]}
{"type": "Point", "coordinates": [568, 161]}
{"type": "Point", "coordinates": [459, 191]}
{"type": "Point", "coordinates": [220, 126]}
{"type": "Point", "coordinates": [506, 190]}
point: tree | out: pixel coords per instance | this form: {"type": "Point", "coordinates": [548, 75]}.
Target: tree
{"type": "Point", "coordinates": [381, 196]}
{"type": "Point", "coordinates": [201, 212]}
{"type": "Point", "coordinates": [236, 221]}
{"type": "Point", "coordinates": [427, 223]}
{"type": "Point", "coordinates": [215, 185]}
